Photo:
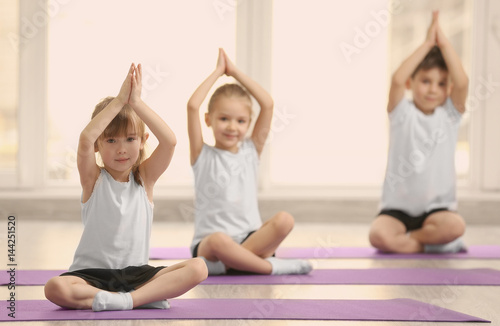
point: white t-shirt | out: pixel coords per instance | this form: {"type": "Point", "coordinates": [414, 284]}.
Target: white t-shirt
{"type": "Point", "coordinates": [226, 192]}
{"type": "Point", "coordinates": [420, 173]}
{"type": "Point", "coordinates": [117, 222]}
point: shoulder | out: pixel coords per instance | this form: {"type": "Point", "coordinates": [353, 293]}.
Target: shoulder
{"type": "Point", "coordinates": [206, 152]}
{"type": "Point", "coordinates": [451, 112]}
{"type": "Point", "coordinates": [247, 143]}
{"type": "Point", "coordinates": [402, 110]}
{"type": "Point", "coordinates": [88, 193]}
{"type": "Point", "coordinates": [248, 147]}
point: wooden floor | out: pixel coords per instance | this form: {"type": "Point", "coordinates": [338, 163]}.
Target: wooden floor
{"type": "Point", "coordinates": [50, 245]}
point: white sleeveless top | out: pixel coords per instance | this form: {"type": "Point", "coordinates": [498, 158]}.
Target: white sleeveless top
{"type": "Point", "coordinates": [226, 192]}
{"type": "Point", "coordinates": [420, 172]}
{"type": "Point", "coordinates": [117, 222]}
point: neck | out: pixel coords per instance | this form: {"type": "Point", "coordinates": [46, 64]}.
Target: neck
{"type": "Point", "coordinates": [120, 176]}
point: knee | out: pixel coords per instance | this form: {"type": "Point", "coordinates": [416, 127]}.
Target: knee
{"type": "Point", "coordinates": [455, 229]}
{"type": "Point", "coordinates": [283, 222]}
{"type": "Point", "coordinates": [198, 269]}
{"type": "Point", "coordinates": [54, 290]}
{"type": "Point", "coordinates": [380, 240]}
{"type": "Point", "coordinates": [217, 241]}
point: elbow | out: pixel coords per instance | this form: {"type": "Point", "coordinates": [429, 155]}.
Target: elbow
{"type": "Point", "coordinates": [463, 85]}
{"type": "Point", "coordinates": [86, 141]}
{"type": "Point", "coordinates": [268, 105]}
{"type": "Point", "coordinates": [398, 81]}
{"type": "Point", "coordinates": [173, 142]}
{"type": "Point", "coordinates": [192, 106]}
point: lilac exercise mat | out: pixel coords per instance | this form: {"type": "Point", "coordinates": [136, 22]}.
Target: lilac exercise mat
{"type": "Point", "coordinates": [389, 276]}
{"type": "Point", "coordinates": [473, 252]}
{"type": "Point", "coordinates": [380, 310]}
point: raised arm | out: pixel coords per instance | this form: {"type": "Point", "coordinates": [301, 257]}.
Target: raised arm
{"type": "Point", "coordinates": [193, 108]}
{"type": "Point", "coordinates": [263, 124]}
{"type": "Point", "coordinates": [153, 167]}
{"type": "Point", "coordinates": [459, 79]}
{"type": "Point", "coordinates": [86, 162]}
{"type": "Point", "coordinates": [403, 73]}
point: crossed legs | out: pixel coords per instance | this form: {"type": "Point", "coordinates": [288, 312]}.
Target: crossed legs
{"type": "Point", "coordinates": [390, 235]}
{"type": "Point", "coordinates": [75, 293]}
{"type": "Point", "coordinates": [250, 256]}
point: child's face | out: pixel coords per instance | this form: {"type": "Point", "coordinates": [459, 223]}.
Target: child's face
{"type": "Point", "coordinates": [230, 120]}
{"type": "Point", "coordinates": [120, 153]}
{"type": "Point", "coordinates": [430, 89]}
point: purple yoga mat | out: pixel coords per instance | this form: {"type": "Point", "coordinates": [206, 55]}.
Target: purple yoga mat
{"type": "Point", "coordinates": [473, 252]}
{"type": "Point", "coordinates": [381, 310]}
{"type": "Point", "coordinates": [388, 276]}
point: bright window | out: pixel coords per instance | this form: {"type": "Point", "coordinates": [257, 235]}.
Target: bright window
{"type": "Point", "coordinates": [9, 79]}
{"type": "Point", "coordinates": [91, 45]}
{"type": "Point", "coordinates": [330, 93]}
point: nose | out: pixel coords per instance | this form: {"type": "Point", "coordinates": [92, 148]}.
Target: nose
{"type": "Point", "coordinates": [121, 148]}
{"type": "Point", "coordinates": [434, 87]}
{"type": "Point", "coordinates": [231, 125]}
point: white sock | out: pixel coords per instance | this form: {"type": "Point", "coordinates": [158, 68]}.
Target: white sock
{"type": "Point", "coordinates": [454, 246]}
{"type": "Point", "coordinates": [214, 267]}
{"type": "Point", "coordinates": [162, 304]}
{"type": "Point", "coordinates": [289, 266]}
{"type": "Point", "coordinates": [112, 301]}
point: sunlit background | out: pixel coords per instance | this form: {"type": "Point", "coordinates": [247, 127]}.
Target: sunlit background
{"type": "Point", "coordinates": [330, 67]}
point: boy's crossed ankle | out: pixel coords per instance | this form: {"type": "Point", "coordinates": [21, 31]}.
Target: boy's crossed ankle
{"type": "Point", "coordinates": [451, 247]}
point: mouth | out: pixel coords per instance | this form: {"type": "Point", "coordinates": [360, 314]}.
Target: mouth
{"type": "Point", "coordinates": [122, 160]}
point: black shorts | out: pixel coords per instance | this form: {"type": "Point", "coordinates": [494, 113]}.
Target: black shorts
{"type": "Point", "coordinates": [195, 249]}
{"type": "Point", "coordinates": [117, 280]}
{"type": "Point", "coordinates": [411, 222]}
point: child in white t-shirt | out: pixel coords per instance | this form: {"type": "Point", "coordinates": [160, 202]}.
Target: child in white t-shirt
{"type": "Point", "coordinates": [229, 233]}
{"type": "Point", "coordinates": [418, 206]}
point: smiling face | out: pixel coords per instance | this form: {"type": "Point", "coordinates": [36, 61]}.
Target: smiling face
{"type": "Point", "coordinates": [430, 88]}
{"type": "Point", "coordinates": [230, 120]}
{"type": "Point", "coordinates": [121, 145]}
{"type": "Point", "coordinates": [120, 153]}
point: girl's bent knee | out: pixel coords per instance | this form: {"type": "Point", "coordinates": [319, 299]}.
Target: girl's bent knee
{"type": "Point", "coordinates": [199, 269]}
{"type": "Point", "coordinates": [284, 220]}
{"type": "Point", "coordinates": [54, 289]}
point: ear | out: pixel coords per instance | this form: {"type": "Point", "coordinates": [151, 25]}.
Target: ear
{"type": "Point", "coordinates": [207, 119]}
{"type": "Point", "coordinates": [144, 139]}
{"type": "Point", "coordinates": [96, 147]}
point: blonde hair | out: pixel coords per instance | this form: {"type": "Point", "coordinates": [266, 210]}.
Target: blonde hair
{"type": "Point", "coordinates": [230, 90]}
{"type": "Point", "coordinates": [125, 120]}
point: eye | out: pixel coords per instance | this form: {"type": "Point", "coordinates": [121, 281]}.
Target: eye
{"type": "Point", "coordinates": [242, 121]}
{"type": "Point", "coordinates": [130, 139]}
{"type": "Point", "coordinates": [110, 140]}
{"type": "Point", "coordinates": [223, 118]}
